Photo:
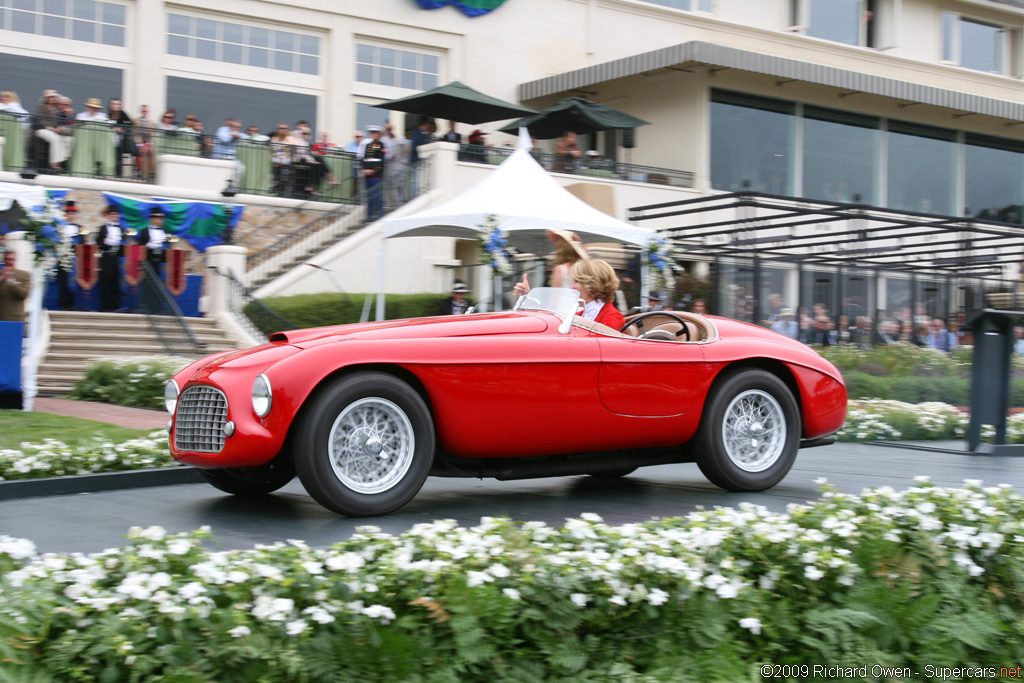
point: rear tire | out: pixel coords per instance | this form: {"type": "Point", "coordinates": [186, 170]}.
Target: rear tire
{"type": "Point", "coordinates": [365, 445]}
{"type": "Point", "coordinates": [252, 481]}
{"type": "Point", "coordinates": [750, 432]}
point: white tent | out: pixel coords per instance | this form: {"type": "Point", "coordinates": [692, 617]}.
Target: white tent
{"type": "Point", "coordinates": [527, 202]}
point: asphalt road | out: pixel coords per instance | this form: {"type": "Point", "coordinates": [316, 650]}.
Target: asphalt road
{"type": "Point", "coordinates": [95, 521]}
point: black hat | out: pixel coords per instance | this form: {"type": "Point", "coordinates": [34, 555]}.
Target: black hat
{"type": "Point", "coordinates": [69, 205]}
{"type": "Point", "coordinates": [156, 211]}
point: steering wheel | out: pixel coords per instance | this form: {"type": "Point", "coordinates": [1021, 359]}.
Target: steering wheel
{"type": "Point", "coordinates": [638, 321]}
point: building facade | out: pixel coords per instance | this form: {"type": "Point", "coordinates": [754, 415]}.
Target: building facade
{"type": "Point", "coordinates": [914, 105]}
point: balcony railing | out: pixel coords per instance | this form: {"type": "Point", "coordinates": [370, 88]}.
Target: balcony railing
{"type": "Point", "coordinates": [102, 149]}
{"type": "Point", "coordinates": [585, 166]}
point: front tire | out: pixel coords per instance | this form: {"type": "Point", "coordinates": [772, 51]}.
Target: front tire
{"type": "Point", "coordinates": [365, 445]}
{"type": "Point", "coordinates": [252, 481]}
{"type": "Point", "coordinates": [750, 432]}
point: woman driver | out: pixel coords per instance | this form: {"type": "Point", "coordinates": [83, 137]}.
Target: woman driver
{"type": "Point", "coordinates": [596, 282]}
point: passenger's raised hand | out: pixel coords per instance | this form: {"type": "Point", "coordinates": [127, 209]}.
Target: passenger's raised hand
{"type": "Point", "coordinates": [522, 288]}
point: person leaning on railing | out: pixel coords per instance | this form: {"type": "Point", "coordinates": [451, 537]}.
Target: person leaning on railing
{"type": "Point", "coordinates": [48, 125]}
{"type": "Point", "coordinates": [282, 146]}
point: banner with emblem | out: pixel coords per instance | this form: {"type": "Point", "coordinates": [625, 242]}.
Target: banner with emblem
{"type": "Point", "coordinates": [134, 254]}
{"type": "Point", "coordinates": [86, 273]}
{"type": "Point", "coordinates": [175, 271]}
{"type": "Point", "coordinates": [471, 8]}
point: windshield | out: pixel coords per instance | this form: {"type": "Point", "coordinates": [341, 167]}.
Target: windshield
{"type": "Point", "coordinates": [558, 300]}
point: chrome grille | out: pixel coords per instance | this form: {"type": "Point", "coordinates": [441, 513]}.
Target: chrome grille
{"type": "Point", "coordinates": [199, 421]}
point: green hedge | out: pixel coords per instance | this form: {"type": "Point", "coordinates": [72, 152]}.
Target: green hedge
{"type": "Point", "coordinates": [316, 310]}
{"type": "Point", "coordinates": [137, 381]}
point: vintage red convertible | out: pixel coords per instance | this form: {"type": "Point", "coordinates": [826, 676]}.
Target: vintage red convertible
{"type": "Point", "coordinates": [364, 413]}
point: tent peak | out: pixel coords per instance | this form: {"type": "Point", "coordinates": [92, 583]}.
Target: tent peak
{"type": "Point", "coordinates": [524, 141]}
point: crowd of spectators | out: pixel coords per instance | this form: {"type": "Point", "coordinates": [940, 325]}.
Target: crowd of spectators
{"type": "Point", "coordinates": [818, 327]}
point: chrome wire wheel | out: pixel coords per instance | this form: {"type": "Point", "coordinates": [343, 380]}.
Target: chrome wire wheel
{"type": "Point", "coordinates": [371, 445]}
{"type": "Point", "coordinates": [754, 430]}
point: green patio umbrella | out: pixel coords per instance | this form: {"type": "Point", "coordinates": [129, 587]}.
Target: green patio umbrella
{"type": "Point", "coordinates": [456, 102]}
{"type": "Point", "coordinates": [575, 114]}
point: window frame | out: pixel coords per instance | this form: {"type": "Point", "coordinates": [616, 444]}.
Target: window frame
{"type": "Point", "coordinates": [880, 36]}
{"type": "Point", "coordinates": [374, 88]}
{"type": "Point", "coordinates": [40, 13]}
{"type": "Point", "coordinates": [1006, 49]}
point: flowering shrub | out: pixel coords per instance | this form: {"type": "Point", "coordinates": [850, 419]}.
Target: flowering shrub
{"type": "Point", "coordinates": [136, 381]}
{"type": "Point", "coordinates": [494, 247]}
{"type": "Point", "coordinates": [871, 420]}
{"type": "Point", "coordinates": [53, 458]}
{"type": "Point", "coordinates": [929, 575]}
{"type": "Point", "coordinates": [43, 225]}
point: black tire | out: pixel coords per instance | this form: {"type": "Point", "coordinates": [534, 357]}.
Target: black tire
{"type": "Point", "coordinates": [252, 481]}
{"type": "Point", "coordinates": [361, 482]}
{"type": "Point", "coordinates": [734, 466]}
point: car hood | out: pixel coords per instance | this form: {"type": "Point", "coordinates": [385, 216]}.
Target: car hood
{"type": "Point", "coordinates": [476, 324]}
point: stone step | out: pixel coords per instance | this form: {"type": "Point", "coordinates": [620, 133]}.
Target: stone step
{"type": "Point", "coordinates": [71, 325]}
{"type": "Point", "coordinates": [206, 335]}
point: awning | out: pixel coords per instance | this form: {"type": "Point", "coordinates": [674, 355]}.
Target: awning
{"type": "Point", "coordinates": [698, 52]}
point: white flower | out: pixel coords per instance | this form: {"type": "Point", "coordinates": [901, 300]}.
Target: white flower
{"type": "Point", "coordinates": [752, 624]}
{"type": "Point", "coordinates": [579, 599]}
{"type": "Point", "coordinates": [657, 597]}
{"type": "Point", "coordinates": [294, 628]}
{"type": "Point", "coordinates": [239, 631]}
{"type": "Point", "coordinates": [813, 573]}
{"type": "Point", "coordinates": [385, 614]}
{"type": "Point", "coordinates": [511, 593]}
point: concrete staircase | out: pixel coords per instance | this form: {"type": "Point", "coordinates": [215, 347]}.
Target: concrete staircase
{"type": "Point", "coordinates": [78, 337]}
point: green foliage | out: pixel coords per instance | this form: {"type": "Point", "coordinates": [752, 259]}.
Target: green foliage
{"type": "Point", "coordinates": [135, 382]}
{"type": "Point", "coordinates": [317, 310]}
{"type": "Point", "coordinates": [17, 426]}
{"type": "Point", "coordinates": [927, 576]}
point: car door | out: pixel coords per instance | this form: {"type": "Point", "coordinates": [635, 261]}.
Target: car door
{"type": "Point", "coordinates": [649, 378]}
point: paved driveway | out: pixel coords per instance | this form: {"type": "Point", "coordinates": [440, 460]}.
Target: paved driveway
{"type": "Point", "coordinates": [92, 522]}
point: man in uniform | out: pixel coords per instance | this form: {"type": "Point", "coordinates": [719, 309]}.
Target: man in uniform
{"type": "Point", "coordinates": [110, 239]}
{"type": "Point", "coordinates": [66, 255]}
{"type": "Point", "coordinates": [154, 238]}
{"type": "Point", "coordinates": [372, 154]}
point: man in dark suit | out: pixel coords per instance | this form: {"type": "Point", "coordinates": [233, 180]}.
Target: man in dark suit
{"type": "Point", "coordinates": [111, 240]}
{"type": "Point", "coordinates": [457, 303]}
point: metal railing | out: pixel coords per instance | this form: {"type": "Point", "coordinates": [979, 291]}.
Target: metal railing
{"type": "Point", "coordinates": [102, 149]}
{"type": "Point", "coordinates": [255, 316]}
{"type": "Point", "coordinates": [335, 225]}
{"type": "Point", "coordinates": [166, 318]}
{"type": "Point", "coordinates": [586, 166]}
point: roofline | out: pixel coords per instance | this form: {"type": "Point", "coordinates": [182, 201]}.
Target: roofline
{"type": "Point", "coordinates": [779, 67]}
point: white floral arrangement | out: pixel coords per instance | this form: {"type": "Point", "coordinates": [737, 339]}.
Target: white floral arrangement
{"type": "Point", "coordinates": [53, 458]}
{"type": "Point", "coordinates": [662, 266]}
{"type": "Point", "coordinates": [495, 247]}
{"type": "Point", "coordinates": [44, 229]}
{"type": "Point", "coordinates": [725, 589]}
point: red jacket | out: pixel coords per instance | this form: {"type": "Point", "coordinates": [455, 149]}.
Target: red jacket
{"type": "Point", "coordinates": [610, 316]}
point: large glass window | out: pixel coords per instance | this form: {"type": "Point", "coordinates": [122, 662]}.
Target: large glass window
{"type": "Point", "coordinates": [86, 20]}
{"type": "Point", "coordinates": [840, 155]}
{"type": "Point", "coordinates": [397, 68]}
{"type": "Point", "coordinates": [995, 178]}
{"type": "Point", "coordinates": [233, 43]}
{"type": "Point", "coordinates": [752, 143]}
{"type": "Point", "coordinates": [837, 20]}
{"type": "Point", "coordinates": [922, 168]}
{"type": "Point", "coordinates": [974, 44]}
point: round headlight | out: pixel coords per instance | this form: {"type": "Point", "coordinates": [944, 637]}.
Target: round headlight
{"type": "Point", "coordinates": [261, 396]}
{"type": "Point", "coordinates": [171, 396]}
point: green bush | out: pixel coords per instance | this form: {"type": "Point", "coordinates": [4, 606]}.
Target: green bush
{"type": "Point", "coordinates": [317, 310]}
{"type": "Point", "coordinates": [137, 382]}
{"type": "Point", "coordinates": [927, 577]}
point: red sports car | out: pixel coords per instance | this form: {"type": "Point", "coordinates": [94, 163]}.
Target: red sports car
{"type": "Point", "coordinates": [364, 413]}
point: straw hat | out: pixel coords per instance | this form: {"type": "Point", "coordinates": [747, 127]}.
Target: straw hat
{"type": "Point", "coordinates": [572, 238]}
{"type": "Point", "coordinates": [94, 102]}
